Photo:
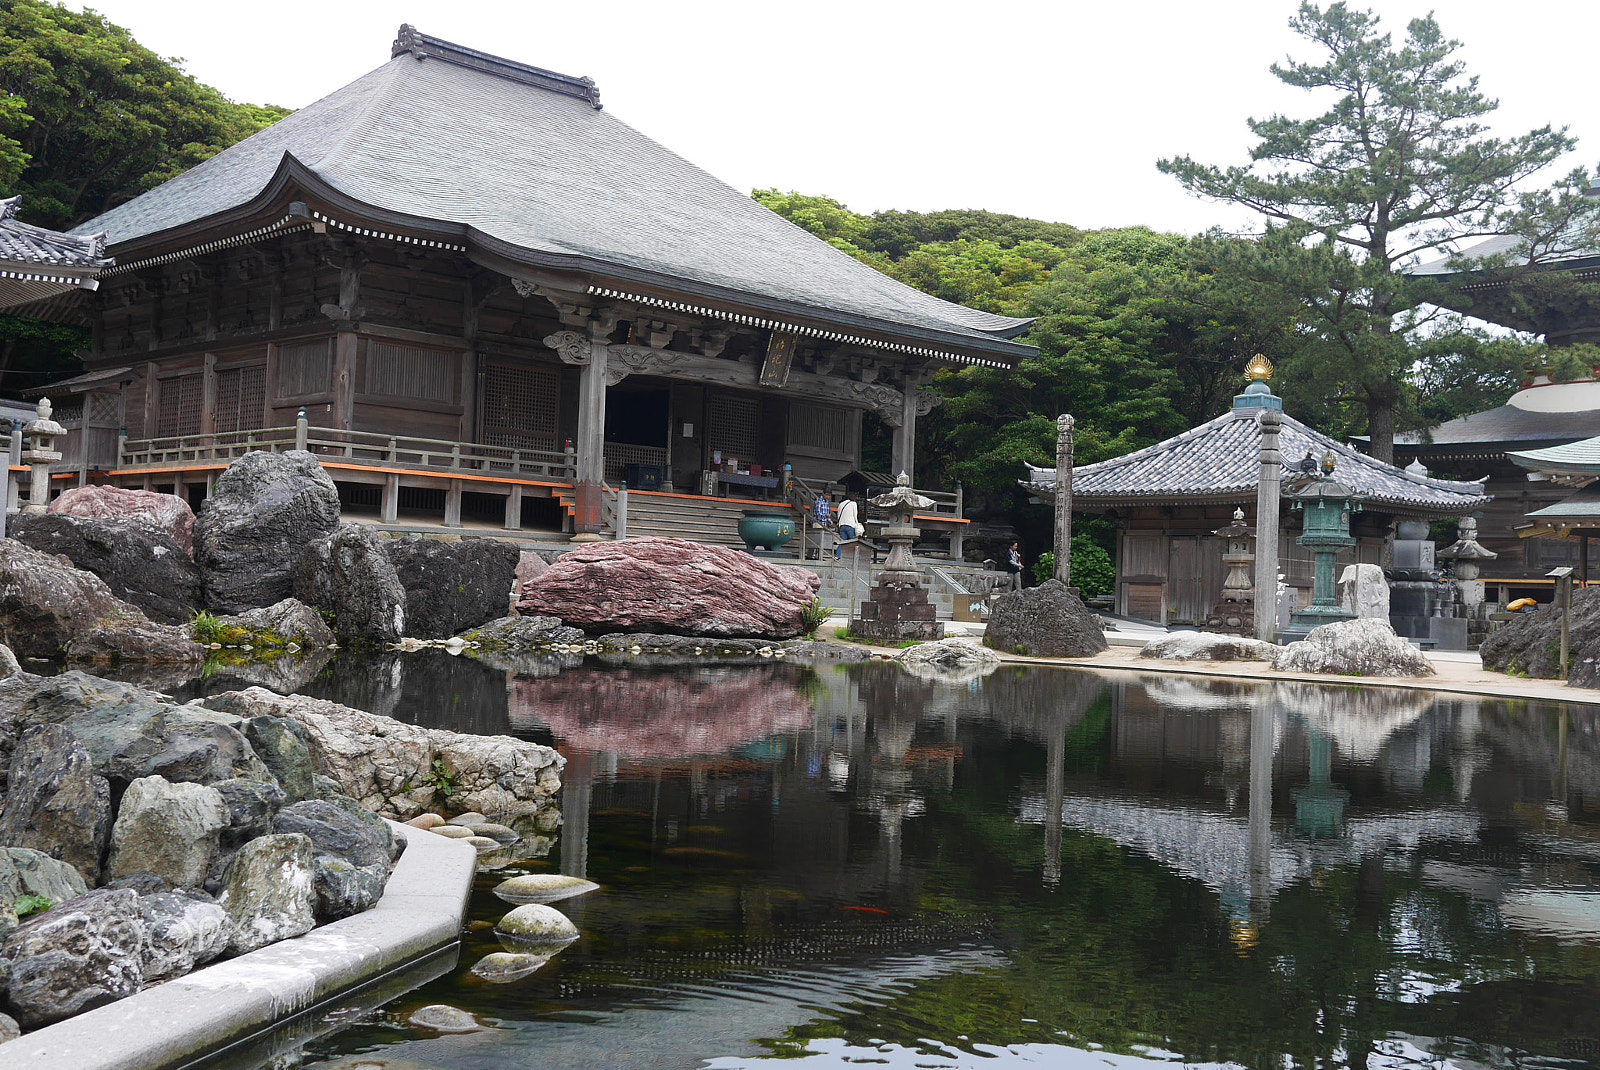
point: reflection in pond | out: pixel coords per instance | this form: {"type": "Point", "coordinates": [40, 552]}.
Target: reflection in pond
{"type": "Point", "coordinates": [1041, 867]}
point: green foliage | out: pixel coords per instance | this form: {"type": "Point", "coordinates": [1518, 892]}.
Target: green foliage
{"type": "Point", "coordinates": [1092, 571]}
{"type": "Point", "coordinates": [32, 350]}
{"type": "Point", "coordinates": [91, 118]}
{"type": "Point", "coordinates": [813, 616]}
{"type": "Point", "coordinates": [205, 627]}
{"type": "Point", "coordinates": [1397, 167]}
{"type": "Point", "coordinates": [441, 779]}
{"type": "Point", "coordinates": [28, 905]}
{"type": "Point", "coordinates": [842, 633]}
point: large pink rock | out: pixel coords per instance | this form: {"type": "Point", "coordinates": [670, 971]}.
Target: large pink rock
{"type": "Point", "coordinates": [674, 586]}
{"type": "Point", "coordinates": [530, 566]}
{"type": "Point", "coordinates": [166, 513]}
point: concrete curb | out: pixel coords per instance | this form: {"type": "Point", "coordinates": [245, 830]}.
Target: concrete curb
{"type": "Point", "coordinates": [422, 910]}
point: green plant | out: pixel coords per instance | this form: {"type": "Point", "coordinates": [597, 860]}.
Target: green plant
{"type": "Point", "coordinates": [904, 643]}
{"type": "Point", "coordinates": [26, 905]}
{"type": "Point", "coordinates": [842, 633]}
{"type": "Point", "coordinates": [205, 628]}
{"type": "Point", "coordinates": [1093, 574]}
{"type": "Point", "coordinates": [441, 779]}
{"type": "Point", "coordinates": [813, 615]}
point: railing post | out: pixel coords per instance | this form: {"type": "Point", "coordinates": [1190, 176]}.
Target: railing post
{"type": "Point", "coordinates": [959, 501]}
{"type": "Point", "coordinates": [393, 454]}
{"type": "Point", "coordinates": [619, 519]}
{"type": "Point", "coordinates": [455, 455]}
{"type": "Point", "coordinates": [302, 428]}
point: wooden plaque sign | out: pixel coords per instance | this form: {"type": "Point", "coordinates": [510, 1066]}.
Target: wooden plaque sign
{"type": "Point", "coordinates": [780, 355]}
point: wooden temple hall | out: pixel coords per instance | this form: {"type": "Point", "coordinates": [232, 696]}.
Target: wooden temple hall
{"type": "Point", "coordinates": [476, 294]}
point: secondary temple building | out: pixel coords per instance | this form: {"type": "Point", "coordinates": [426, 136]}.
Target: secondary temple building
{"type": "Point", "coordinates": [471, 289]}
{"type": "Point", "coordinates": [1169, 500]}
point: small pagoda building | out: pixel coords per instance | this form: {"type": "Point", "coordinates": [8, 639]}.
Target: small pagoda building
{"type": "Point", "coordinates": [1171, 501]}
{"type": "Point", "coordinates": [477, 294]}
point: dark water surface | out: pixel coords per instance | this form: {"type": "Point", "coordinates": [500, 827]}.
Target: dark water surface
{"type": "Point", "coordinates": [852, 866]}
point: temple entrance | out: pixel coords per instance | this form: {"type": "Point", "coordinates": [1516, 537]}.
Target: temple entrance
{"type": "Point", "coordinates": [637, 436]}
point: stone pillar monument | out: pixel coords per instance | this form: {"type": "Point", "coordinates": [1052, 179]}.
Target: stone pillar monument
{"type": "Point", "coordinates": [1235, 614]}
{"type": "Point", "coordinates": [1269, 486]}
{"type": "Point", "coordinates": [40, 454]}
{"type": "Point", "coordinates": [1063, 546]}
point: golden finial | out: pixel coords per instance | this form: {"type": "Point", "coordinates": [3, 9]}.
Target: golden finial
{"type": "Point", "coordinates": [1259, 370]}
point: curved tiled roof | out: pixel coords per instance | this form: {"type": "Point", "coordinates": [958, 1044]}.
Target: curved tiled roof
{"type": "Point", "coordinates": [1219, 462]}
{"type": "Point", "coordinates": [36, 263]}
{"type": "Point", "coordinates": [1571, 458]}
{"type": "Point", "coordinates": [442, 133]}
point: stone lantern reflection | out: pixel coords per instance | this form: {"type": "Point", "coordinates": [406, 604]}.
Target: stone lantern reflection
{"type": "Point", "coordinates": [1325, 505]}
{"type": "Point", "coordinates": [39, 453]}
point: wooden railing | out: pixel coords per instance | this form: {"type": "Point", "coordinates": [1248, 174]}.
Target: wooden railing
{"type": "Point", "coordinates": [353, 447]}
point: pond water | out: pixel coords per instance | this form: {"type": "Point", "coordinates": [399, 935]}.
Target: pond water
{"type": "Point", "coordinates": [852, 866]}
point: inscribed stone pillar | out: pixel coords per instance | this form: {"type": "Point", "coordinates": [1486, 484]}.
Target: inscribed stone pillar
{"type": "Point", "coordinates": [591, 442]}
{"type": "Point", "coordinates": [1268, 489]}
{"type": "Point", "coordinates": [1063, 545]}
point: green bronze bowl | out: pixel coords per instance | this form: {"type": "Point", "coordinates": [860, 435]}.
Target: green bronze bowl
{"type": "Point", "coordinates": [765, 529]}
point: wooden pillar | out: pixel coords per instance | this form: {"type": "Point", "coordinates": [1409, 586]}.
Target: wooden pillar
{"type": "Point", "coordinates": [208, 397]}
{"type": "Point", "coordinates": [591, 442]}
{"type": "Point", "coordinates": [1583, 560]}
{"type": "Point", "coordinates": [452, 505]}
{"type": "Point", "coordinates": [344, 374]}
{"type": "Point", "coordinates": [514, 508]}
{"type": "Point", "coordinates": [1063, 545]}
{"type": "Point", "coordinates": [389, 504]}
{"type": "Point", "coordinates": [905, 436]}
{"type": "Point", "coordinates": [1268, 490]}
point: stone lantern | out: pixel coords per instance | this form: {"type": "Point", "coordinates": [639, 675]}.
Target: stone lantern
{"type": "Point", "coordinates": [1468, 556]}
{"type": "Point", "coordinates": [39, 453]}
{"type": "Point", "coordinates": [1325, 506]}
{"type": "Point", "coordinates": [1235, 614]}
{"type": "Point", "coordinates": [898, 608]}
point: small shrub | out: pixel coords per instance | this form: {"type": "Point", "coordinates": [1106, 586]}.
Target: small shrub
{"type": "Point", "coordinates": [812, 616]}
{"type": "Point", "coordinates": [205, 628]}
{"type": "Point", "coordinates": [842, 633]}
{"type": "Point", "coordinates": [28, 905]}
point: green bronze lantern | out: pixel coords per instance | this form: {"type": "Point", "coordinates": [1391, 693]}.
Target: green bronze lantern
{"type": "Point", "coordinates": [1325, 505]}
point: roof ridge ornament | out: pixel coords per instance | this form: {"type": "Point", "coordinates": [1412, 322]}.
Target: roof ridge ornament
{"type": "Point", "coordinates": [413, 41]}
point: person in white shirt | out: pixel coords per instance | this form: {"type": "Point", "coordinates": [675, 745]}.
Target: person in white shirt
{"type": "Point", "coordinates": [849, 525]}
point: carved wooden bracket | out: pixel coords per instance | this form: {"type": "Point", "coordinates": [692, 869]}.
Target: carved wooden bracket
{"type": "Point", "coordinates": [927, 400]}
{"type": "Point", "coordinates": [571, 346]}
{"type": "Point", "coordinates": [886, 401]}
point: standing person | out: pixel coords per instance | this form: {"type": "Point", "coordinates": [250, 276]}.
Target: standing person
{"type": "Point", "coordinates": [849, 525]}
{"type": "Point", "coordinates": [1014, 567]}
{"type": "Point", "coordinates": [822, 509]}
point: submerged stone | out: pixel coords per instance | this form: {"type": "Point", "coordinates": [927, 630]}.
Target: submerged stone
{"type": "Point", "coordinates": [543, 888]}
{"type": "Point", "coordinates": [443, 1018]}
{"type": "Point", "coordinates": [453, 832]}
{"type": "Point", "coordinates": [503, 967]}
{"type": "Point", "coordinates": [535, 925]}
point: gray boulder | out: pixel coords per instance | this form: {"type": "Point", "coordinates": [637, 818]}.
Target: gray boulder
{"type": "Point", "coordinates": [45, 602]}
{"type": "Point", "coordinates": [953, 660]}
{"type": "Point", "coordinates": [9, 666]}
{"type": "Point", "coordinates": [522, 635]}
{"type": "Point", "coordinates": [1362, 647]}
{"type": "Point", "coordinates": [1208, 646]}
{"type": "Point", "coordinates": [451, 586]}
{"type": "Point", "coordinates": [184, 931]}
{"type": "Point", "coordinates": [82, 954]}
{"type": "Point", "coordinates": [142, 566]}
{"type": "Point", "coordinates": [290, 620]}
{"type": "Point", "coordinates": [393, 843]}
{"type": "Point", "coordinates": [1529, 644]}
{"type": "Point", "coordinates": [133, 733]}
{"type": "Point", "coordinates": [55, 802]}
{"type": "Point", "coordinates": [9, 1029]}
{"type": "Point", "coordinates": [267, 891]}
{"type": "Point", "coordinates": [281, 744]}
{"type": "Point", "coordinates": [343, 889]}
{"type": "Point", "coordinates": [167, 829]}
{"type": "Point", "coordinates": [251, 807]}
{"type": "Point", "coordinates": [24, 871]}
{"type": "Point", "coordinates": [124, 640]}
{"type": "Point", "coordinates": [263, 511]}
{"type": "Point", "coordinates": [1047, 621]}
{"type": "Point", "coordinates": [349, 575]}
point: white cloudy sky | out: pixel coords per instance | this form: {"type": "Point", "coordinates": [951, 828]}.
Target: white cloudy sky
{"type": "Point", "coordinates": [1057, 110]}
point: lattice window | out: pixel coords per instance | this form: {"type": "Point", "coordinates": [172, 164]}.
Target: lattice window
{"type": "Point", "coordinates": [305, 368]}
{"type": "Point", "coordinates": [618, 455]}
{"type": "Point", "coordinates": [105, 409]}
{"type": "Point", "coordinates": [241, 398]}
{"type": "Point", "coordinates": [407, 372]}
{"type": "Point", "coordinates": [731, 425]}
{"type": "Point", "coordinates": [180, 400]}
{"type": "Point", "coordinates": [819, 427]}
{"type": "Point", "coordinates": [519, 406]}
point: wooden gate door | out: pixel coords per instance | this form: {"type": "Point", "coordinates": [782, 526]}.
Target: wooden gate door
{"type": "Point", "coordinates": [519, 406]}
